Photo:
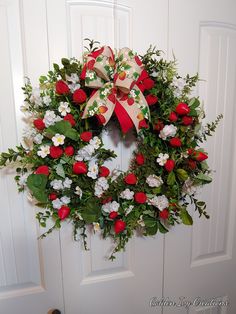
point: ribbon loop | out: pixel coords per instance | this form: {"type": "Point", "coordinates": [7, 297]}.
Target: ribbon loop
{"type": "Point", "coordinates": [117, 90]}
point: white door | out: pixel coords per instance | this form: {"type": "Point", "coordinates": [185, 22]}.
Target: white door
{"type": "Point", "coordinates": [93, 284]}
{"type": "Point", "coordinates": [201, 261]}
{"type": "Point", "coordinates": [30, 271]}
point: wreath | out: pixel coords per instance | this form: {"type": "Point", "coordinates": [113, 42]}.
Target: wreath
{"type": "Point", "coordinates": [62, 159]}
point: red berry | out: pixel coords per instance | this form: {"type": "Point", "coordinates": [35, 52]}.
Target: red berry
{"type": "Point", "coordinates": [175, 142]}
{"type": "Point", "coordinates": [173, 117]}
{"type": "Point", "coordinates": [119, 226]}
{"type": "Point", "coordinates": [69, 150]}
{"type": "Point", "coordinates": [169, 165]}
{"type": "Point", "coordinates": [143, 124]}
{"type": "Point", "coordinates": [140, 197]}
{"type": "Point", "coordinates": [79, 96]}
{"type": "Point", "coordinates": [164, 214]}
{"type": "Point", "coordinates": [151, 99]}
{"type": "Point", "coordinates": [199, 156]}
{"type": "Point", "coordinates": [52, 196]}
{"type": "Point", "coordinates": [80, 167]}
{"type": "Point", "coordinates": [140, 159]}
{"type": "Point", "coordinates": [70, 119]}
{"type": "Point", "coordinates": [187, 120]}
{"type": "Point", "coordinates": [63, 212]}
{"type": "Point", "coordinates": [106, 200]}
{"type": "Point", "coordinates": [39, 124]}
{"type": "Point", "coordinates": [42, 170]}
{"type": "Point", "coordinates": [182, 109]}
{"type": "Point", "coordinates": [113, 215]}
{"type": "Point", "coordinates": [104, 171]}
{"type": "Point", "coordinates": [86, 136]}
{"type": "Point", "coordinates": [130, 179]}
{"type": "Point", "coordinates": [192, 164]}
{"type": "Point", "coordinates": [62, 88]}
{"type": "Point", "coordinates": [56, 152]}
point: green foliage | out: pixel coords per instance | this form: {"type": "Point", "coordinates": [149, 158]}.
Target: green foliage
{"type": "Point", "coordinates": [86, 208]}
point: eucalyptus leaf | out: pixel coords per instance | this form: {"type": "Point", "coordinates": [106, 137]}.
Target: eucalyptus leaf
{"type": "Point", "coordinates": [185, 217]}
{"type": "Point", "coordinates": [182, 174]}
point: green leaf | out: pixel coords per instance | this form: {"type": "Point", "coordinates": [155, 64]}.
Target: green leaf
{"type": "Point", "coordinates": [91, 212]}
{"type": "Point", "coordinates": [157, 190]}
{"type": "Point", "coordinates": [37, 184]}
{"type": "Point", "coordinates": [182, 174]}
{"type": "Point", "coordinates": [64, 128]}
{"type": "Point", "coordinates": [185, 217]}
{"type": "Point", "coordinates": [60, 170]}
{"type": "Point", "coordinates": [162, 228]}
{"type": "Point", "coordinates": [149, 221]}
{"type": "Point", "coordinates": [152, 230]}
{"type": "Point", "coordinates": [72, 134]}
{"type": "Point", "coordinates": [171, 178]}
{"type": "Point", "coordinates": [37, 181]}
{"type": "Point", "coordinates": [194, 103]}
{"type": "Point", "coordinates": [203, 178]}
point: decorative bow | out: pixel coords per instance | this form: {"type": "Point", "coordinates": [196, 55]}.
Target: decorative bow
{"type": "Point", "coordinates": [117, 90]}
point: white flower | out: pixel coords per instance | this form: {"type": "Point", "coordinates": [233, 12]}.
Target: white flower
{"type": "Point", "coordinates": [73, 78]}
{"type": "Point", "coordinates": [65, 200]}
{"type": "Point", "coordinates": [49, 118]}
{"type": "Point", "coordinates": [67, 183]}
{"type": "Point", "coordinates": [73, 87]}
{"type": "Point", "coordinates": [154, 74]}
{"type": "Point", "coordinates": [154, 181]}
{"type": "Point", "coordinates": [90, 75]}
{"type": "Point", "coordinates": [188, 187]}
{"type": "Point", "coordinates": [23, 179]}
{"type": "Point", "coordinates": [178, 85]}
{"type": "Point", "coordinates": [85, 153]}
{"type": "Point", "coordinates": [78, 191]}
{"type": "Point", "coordinates": [44, 151]}
{"type": "Point", "coordinates": [161, 202]}
{"type": "Point", "coordinates": [95, 142]}
{"type": "Point", "coordinates": [47, 100]}
{"type": "Point", "coordinates": [162, 159]}
{"type": "Point", "coordinates": [127, 194]}
{"type": "Point", "coordinates": [36, 97]}
{"type": "Point", "coordinates": [101, 185]}
{"type": "Point", "coordinates": [92, 171]}
{"type": "Point", "coordinates": [58, 139]}
{"type": "Point", "coordinates": [110, 207]}
{"type": "Point", "coordinates": [57, 184]}
{"type": "Point", "coordinates": [129, 209]}
{"type": "Point", "coordinates": [64, 108]}
{"type": "Point", "coordinates": [38, 138]}
{"type": "Point", "coordinates": [168, 131]}
{"type": "Point", "coordinates": [29, 133]}
{"type": "Point", "coordinates": [57, 203]}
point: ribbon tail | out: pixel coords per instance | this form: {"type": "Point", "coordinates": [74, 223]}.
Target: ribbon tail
{"type": "Point", "coordinates": [124, 119]}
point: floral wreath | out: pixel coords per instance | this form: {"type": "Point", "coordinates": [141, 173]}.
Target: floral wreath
{"type": "Point", "coordinates": [61, 161]}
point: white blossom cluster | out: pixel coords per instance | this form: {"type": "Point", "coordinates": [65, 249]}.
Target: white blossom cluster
{"type": "Point", "coordinates": [86, 153]}
{"type": "Point", "coordinates": [162, 159]}
{"type": "Point", "coordinates": [168, 131]}
{"type": "Point", "coordinates": [127, 194]}
{"type": "Point", "coordinates": [50, 118]}
{"type": "Point", "coordinates": [161, 202]}
{"type": "Point", "coordinates": [61, 185]}
{"type": "Point", "coordinates": [101, 186]}
{"type": "Point", "coordinates": [110, 207]}
{"type": "Point", "coordinates": [154, 181]}
{"type": "Point", "coordinates": [59, 202]}
{"type": "Point", "coordinates": [73, 82]}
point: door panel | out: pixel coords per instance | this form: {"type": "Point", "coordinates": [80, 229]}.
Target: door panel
{"type": "Point", "coordinates": [30, 280]}
{"type": "Point", "coordinates": [91, 282]}
{"type": "Point", "coordinates": [200, 261]}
